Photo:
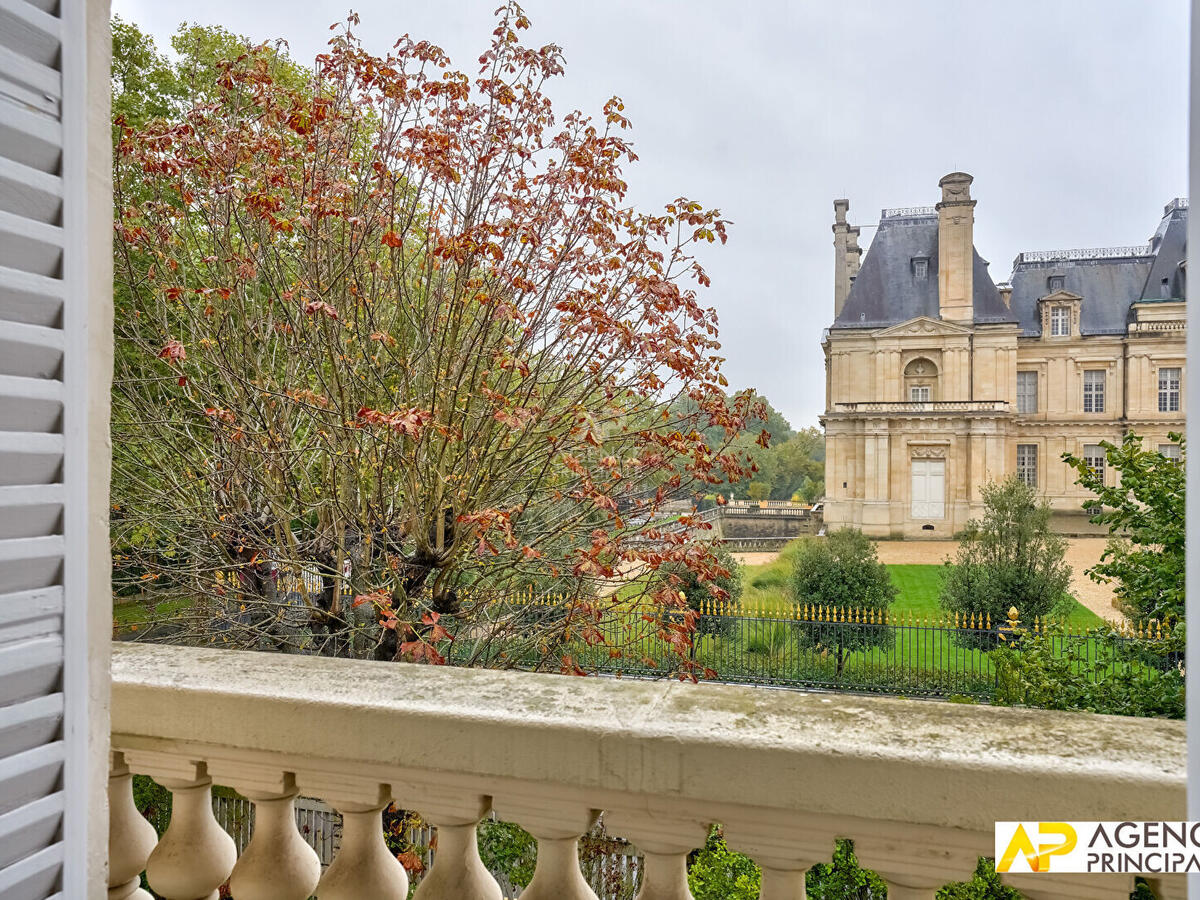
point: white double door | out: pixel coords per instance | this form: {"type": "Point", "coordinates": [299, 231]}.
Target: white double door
{"type": "Point", "coordinates": [928, 488]}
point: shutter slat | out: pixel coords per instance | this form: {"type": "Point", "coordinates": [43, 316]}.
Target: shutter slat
{"type": "Point", "coordinates": [29, 192]}
{"type": "Point", "coordinates": [30, 510]}
{"type": "Point", "coordinates": [30, 668]}
{"type": "Point", "coordinates": [32, 723]}
{"type": "Point", "coordinates": [29, 776]}
{"type": "Point", "coordinates": [32, 246]}
{"type": "Point", "coordinates": [30, 563]}
{"type": "Point", "coordinates": [30, 136]}
{"type": "Point", "coordinates": [27, 829]}
{"type": "Point", "coordinates": [28, 615]}
{"type": "Point", "coordinates": [32, 351]}
{"type": "Point", "coordinates": [30, 404]}
{"type": "Point", "coordinates": [29, 298]}
{"type": "Point", "coordinates": [30, 31]}
{"type": "Point", "coordinates": [20, 70]}
{"type": "Point", "coordinates": [34, 877]}
{"type": "Point", "coordinates": [30, 457]}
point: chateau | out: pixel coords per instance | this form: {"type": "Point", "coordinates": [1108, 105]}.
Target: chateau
{"type": "Point", "coordinates": [939, 380]}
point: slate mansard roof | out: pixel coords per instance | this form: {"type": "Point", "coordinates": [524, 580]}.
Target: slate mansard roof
{"type": "Point", "coordinates": [887, 291]}
{"type": "Point", "coordinates": [1109, 280]}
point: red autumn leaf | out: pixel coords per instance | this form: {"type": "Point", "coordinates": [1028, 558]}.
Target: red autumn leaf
{"type": "Point", "coordinates": [391, 239]}
{"type": "Point", "coordinates": [172, 351]}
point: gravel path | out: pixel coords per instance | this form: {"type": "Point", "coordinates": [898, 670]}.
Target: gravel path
{"type": "Point", "coordinates": [1082, 553]}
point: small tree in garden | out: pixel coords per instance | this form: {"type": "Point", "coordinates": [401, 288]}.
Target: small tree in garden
{"type": "Point", "coordinates": [723, 585]}
{"type": "Point", "coordinates": [1145, 515]}
{"type": "Point", "coordinates": [392, 342]}
{"type": "Point", "coordinates": [1008, 558]}
{"type": "Point", "coordinates": [843, 571]}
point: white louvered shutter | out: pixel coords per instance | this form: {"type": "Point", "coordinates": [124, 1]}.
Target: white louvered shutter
{"type": "Point", "coordinates": [43, 310]}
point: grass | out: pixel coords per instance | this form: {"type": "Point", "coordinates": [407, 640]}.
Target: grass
{"type": "Point", "coordinates": [766, 586]}
{"type": "Point", "coordinates": [135, 614]}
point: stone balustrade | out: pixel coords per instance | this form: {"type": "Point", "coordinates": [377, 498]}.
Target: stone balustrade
{"type": "Point", "coordinates": [916, 785]}
{"type": "Point", "coordinates": [910, 407]}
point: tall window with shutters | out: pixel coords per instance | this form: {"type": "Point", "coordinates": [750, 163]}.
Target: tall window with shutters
{"type": "Point", "coordinates": [1093, 390]}
{"type": "Point", "coordinates": [1027, 392]}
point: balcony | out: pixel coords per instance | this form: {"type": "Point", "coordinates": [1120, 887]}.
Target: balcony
{"type": "Point", "coordinates": [916, 785]}
{"type": "Point", "coordinates": [929, 407]}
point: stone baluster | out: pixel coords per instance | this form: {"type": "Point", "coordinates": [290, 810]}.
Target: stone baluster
{"type": "Point", "coordinates": [195, 856]}
{"type": "Point", "coordinates": [558, 828]}
{"type": "Point", "coordinates": [363, 867]}
{"type": "Point", "coordinates": [277, 864]}
{"type": "Point", "coordinates": [664, 843]}
{"type": "Point", "coordinates": [783, 849]}
{"type": "Point", "coordinates": [130, 836]}
{"type": "Point", "coordinates": [458, 873]}
{"type": "Point", "coordinates": [916, 861]}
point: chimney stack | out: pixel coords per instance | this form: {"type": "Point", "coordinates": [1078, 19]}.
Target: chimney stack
{"type": "Point", "coordinates": [845, 255]}
{"type": "Point", "coordinates": [956, 248]}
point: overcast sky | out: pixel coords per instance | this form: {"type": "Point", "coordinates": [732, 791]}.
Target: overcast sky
{"type": "Point", "coordinates": [1070, 115]}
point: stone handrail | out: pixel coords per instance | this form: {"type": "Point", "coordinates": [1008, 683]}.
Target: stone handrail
{"type": "Point", "coordinates": [1151, 326]}
{"type": "Point", "coordinates": [916, 406]}
{"type": "Point", "coordinates": [916, 785]}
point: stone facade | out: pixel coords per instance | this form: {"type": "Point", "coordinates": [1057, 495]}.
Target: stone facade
{"type": "Point", "coordinates": [938, 380]}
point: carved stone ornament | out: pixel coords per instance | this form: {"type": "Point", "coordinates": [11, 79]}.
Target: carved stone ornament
{"type": "Point", "coordinates": [936, 451]}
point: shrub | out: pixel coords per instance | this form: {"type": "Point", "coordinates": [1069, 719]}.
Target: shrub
{"type": "Point", "coordinates": [843, 878]}
{"type": "Point", "coordinates": [984, 885]}
{"type": "Point", "coordinates": [1097, 672]}
{"type": "Point", "coordinates": [508, 850]}
{"type": "Point", "coordinates": [1008, 558]}
{"type": "Point", "coordinates": [718, 873]}
{"type": "Point", "coordinates": [842, 570]}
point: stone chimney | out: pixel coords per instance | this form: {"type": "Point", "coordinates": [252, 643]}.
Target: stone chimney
{"type": "Point", "coordinates": [845, 255]}
{"type": "Point", "coordinates": [956, 248]}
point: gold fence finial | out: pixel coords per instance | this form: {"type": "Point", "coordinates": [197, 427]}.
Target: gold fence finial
{"type": "Point", "coordinates": [1014, 618]}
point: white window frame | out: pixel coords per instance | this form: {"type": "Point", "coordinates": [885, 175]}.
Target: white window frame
{"type": "Point", "coordinates": [1060, 321]}
{"type": "Point", "coordinates": [1027, 401]}
{"type": "Point", "coordinates": [1097, 461]}
{"type": "Point", "coordinates": [1170, 379]}
{"type": "Point", "coordinates": [1095, 383]}
{"type": "Point", "coordinates": [920, 393]}
{"type": "Point", "coordinates": [1027, 464]}
{"type": "Point", "coordinates": [1171, 451]}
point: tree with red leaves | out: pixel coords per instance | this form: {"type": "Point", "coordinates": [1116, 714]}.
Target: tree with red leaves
{"type": "Point", "coordinates": [396, 342]}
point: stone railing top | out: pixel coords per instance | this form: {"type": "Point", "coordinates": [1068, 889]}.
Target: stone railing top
{"type": "Point", "coordinates": [1030, 256]}
{"type": "Point", "coordinates": [709, 748]}
{"type": "Point", "coordinates": [907, 212]}
{"type": "Point", "coordinates": [920, 406]}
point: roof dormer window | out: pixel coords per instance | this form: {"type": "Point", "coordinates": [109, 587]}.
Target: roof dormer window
{"type": "Point", "coordinates": [1164, 289]}
{"type": "Point", "coordinates": [1056, 283]}
{"type": "Point", "coordinates": [920, 267]}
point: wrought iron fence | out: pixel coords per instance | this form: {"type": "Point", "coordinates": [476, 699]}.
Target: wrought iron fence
{"type": "Point", "coordinates": [845, 649]}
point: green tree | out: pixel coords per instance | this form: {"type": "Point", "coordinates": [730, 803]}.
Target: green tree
{"type": "Point", "coordinates": [1008, 558]}
{"type": "Point", "coordinates": [1145, 516]}
{"type": "Point", "coordinates": [843, 878]}
{"type": "Point", "coordinates": [843, 571]}
{"type": "Point", "coordinates": [799, 466]}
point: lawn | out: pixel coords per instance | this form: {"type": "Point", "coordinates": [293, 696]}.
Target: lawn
{"type": "Point", "coordinates": [766, 587]}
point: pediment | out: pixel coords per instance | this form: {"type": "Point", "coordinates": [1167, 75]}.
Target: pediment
{"type": "Point", "coordinates": [1061, 297]}
{"type": "Point", "coordinates": [922, 326]}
